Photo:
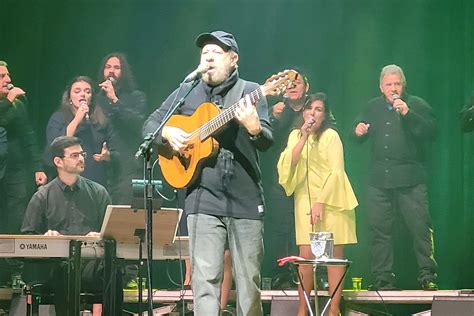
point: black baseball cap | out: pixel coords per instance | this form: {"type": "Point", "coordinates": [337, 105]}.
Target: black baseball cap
{"type": "Point", "coordinates": [218, 37]}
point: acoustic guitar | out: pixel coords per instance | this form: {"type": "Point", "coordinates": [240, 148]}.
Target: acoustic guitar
{"type": "Point", "coordinates": [181, 169]}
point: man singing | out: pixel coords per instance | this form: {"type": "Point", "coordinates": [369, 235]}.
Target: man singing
{"type": "Point", "coordinates": [225, 203]}
{"type": "Point", "coordinates": [23, 158]}
{"type": "Point", "coordinates": [279, 234]}
{"type": "Point", "coordinates": [400, 126]}
{"type": "Point", "coordinates": [125, 107]}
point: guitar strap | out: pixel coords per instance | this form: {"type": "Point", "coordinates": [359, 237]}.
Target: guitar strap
{"type": "Point", "coordinates": [234, 94]}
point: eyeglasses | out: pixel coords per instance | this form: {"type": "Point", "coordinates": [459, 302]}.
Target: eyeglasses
{"type": "Point", "coordinates": [76, 155]}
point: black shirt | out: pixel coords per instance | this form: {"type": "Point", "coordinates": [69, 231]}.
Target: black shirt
{"type": "Point", "coordinates": [399, 143]}
{"type": "Point", "coordinates": [126, 117]}
{"type": "Point", "coordinates": [23, 150]}
{"type": "Point", "coordinates": [229, 183]}
{"type": "Point", "coordinates": [75, 210]}
{"type": "Point", "coordinates": [282, 126]}
{"type": "Point", "coordinates": [3, 151]}
{"type": "Point", "coordinates": [92, 136]}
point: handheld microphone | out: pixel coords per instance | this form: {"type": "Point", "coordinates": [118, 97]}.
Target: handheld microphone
{"type": "Point", "coordinates": [197, 73]}
{"type": "Point", "coordinates": [286, 99]}
{"type": "Point", "coordinates": [10, 86]}
{"type": "Point", "coordinates": [84, 103]}
{"type": "Point", "coordinates": [396, 97]}
{"type": "Point", "coordinates": [113, 80]}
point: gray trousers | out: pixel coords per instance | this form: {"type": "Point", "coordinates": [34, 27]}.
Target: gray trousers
{"type": "Point", "coordinates": [207, 238]}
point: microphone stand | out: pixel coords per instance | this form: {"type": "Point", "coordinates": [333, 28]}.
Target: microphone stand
{"type": "Point", "coordinates": [146, 150]}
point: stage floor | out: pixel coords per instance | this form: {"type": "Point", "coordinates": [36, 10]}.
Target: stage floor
{"type": "Point", "coordinates": [395, 297]}
{"type": "Point", "coordinates": [392, 297]}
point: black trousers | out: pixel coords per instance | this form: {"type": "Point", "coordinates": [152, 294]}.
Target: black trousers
{"type": "Point", "coordinates": [279, 232]}
{"type": "Point", "coordinates": [411, 203]}
{"type": "Point", "coordinates": [17, 193]}
{"type": "Point", "coordinates": [92, 281]}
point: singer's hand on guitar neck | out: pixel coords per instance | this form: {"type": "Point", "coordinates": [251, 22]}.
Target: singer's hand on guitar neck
{"type": "Point", "coordinates": [247, 115]}
{"type": "Point", "coordinates": [176, 137]}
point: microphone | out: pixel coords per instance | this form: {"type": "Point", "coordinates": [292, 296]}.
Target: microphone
{"type": "Point", "coordinates": [311, 123]}
{"type": "Point", "coordinates": [396, 97]}
{"type": "Point", "coordinates": [84, 103]}
{"type": "Point", "coordinates": [197, 73]}
{"type": "Point", "coordinates": [10, 86]}
{"type": "Point", "coordinates": [286, 99]}
{"type": "Point", "coordinates": [113, 80]}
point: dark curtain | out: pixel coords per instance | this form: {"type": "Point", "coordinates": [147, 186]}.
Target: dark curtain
{"type": "Point", "coordinates": [341, 44]}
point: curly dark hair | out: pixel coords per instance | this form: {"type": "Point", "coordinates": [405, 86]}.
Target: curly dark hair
{"type": "Point", "coordinates": [126, 82]}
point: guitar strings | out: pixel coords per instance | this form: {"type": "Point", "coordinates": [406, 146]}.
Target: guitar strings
{"type": "Point", "coordinates": [224, 117]}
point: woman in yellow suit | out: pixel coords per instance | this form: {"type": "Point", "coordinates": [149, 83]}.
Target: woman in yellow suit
{"type": "Point", "coordinates": [312, 169]}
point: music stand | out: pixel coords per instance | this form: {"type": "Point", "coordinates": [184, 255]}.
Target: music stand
{"type": "Point", "coordinates": [121, 222]}
{"type": "Point", "coordinates": [126, 225]}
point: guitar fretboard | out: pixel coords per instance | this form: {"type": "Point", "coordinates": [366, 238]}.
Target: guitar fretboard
{"type": "Point", "coordinates": [226, 115]}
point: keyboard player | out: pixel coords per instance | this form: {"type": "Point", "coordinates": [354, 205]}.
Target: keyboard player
{"type": "Point", "coordinates": [70, 205]}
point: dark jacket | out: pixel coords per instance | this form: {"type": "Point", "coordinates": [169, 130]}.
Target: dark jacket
{"type": "Point", "coordinates": [399, 143]}
{"type": "Point", "coordinates": [229, 183]}
{"type": "Point", "coordinates": [23, 150]}
{"type": "Point", "coordinates": [92, 137]}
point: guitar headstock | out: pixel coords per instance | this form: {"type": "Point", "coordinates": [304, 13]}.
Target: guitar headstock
{"type": "Point", "coordinates": [278, 83]}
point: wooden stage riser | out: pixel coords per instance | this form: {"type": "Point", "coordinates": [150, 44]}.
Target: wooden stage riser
{"type": "Point", "coordinates": [372, 297]}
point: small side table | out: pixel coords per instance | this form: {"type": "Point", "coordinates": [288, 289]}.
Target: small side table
{"type": "Point", "coordinates": [315, 263]}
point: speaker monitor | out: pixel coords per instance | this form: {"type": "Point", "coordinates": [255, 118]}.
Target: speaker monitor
{"type": "Point", "coordinates": [452, 305]}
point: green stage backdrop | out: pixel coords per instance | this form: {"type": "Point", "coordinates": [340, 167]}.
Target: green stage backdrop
{"type": "Point", "coordinates": [342, 45]}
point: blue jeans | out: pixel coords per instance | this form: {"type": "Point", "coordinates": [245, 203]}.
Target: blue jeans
{"type": "Point", "coordinates": [207, 238]}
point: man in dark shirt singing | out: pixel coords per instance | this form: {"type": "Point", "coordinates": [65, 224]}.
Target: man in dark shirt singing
{"type": "Point", "coordinates": [125, 107]}
{"type": "Point", "coordinates": [69, 205]}
{"type": "Point", "coordinates": [399, 126]}
{"type": "Point", "coordinates": [23, 159]}
{"type": "Point", "coordinates": [225, 204]}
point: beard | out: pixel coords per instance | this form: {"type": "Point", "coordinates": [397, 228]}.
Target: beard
{"type": "Point", "coordinates": [218, 76]}
{"type": "Point", "coordinates": [76, 169]}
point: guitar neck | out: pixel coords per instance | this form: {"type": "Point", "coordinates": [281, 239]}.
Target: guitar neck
{"type": "Point", "coordinates": [227, 115]}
